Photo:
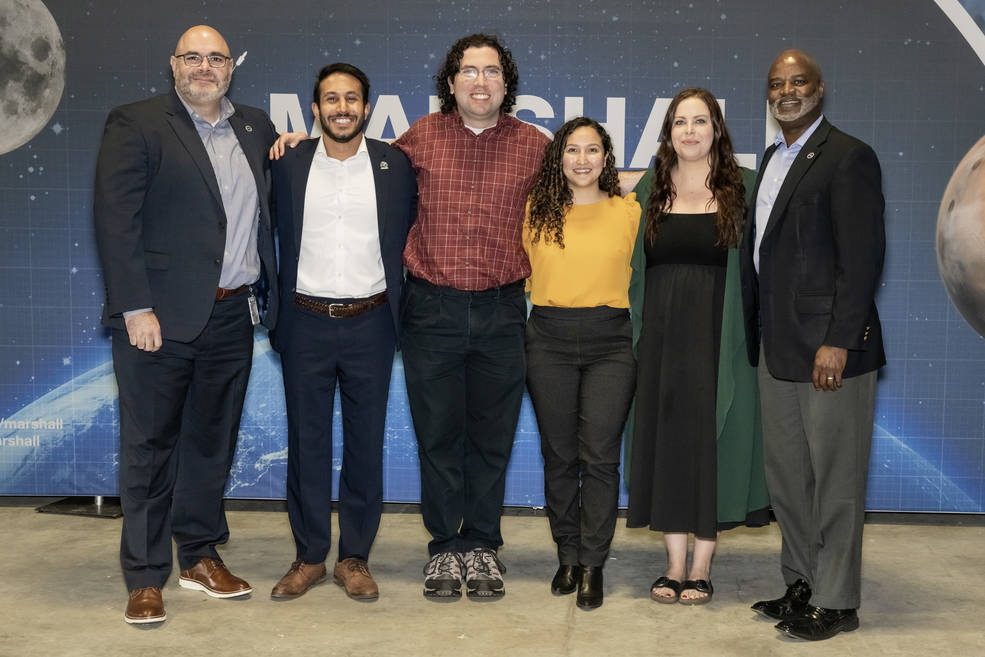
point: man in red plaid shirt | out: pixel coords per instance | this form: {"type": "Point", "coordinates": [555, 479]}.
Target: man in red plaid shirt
{"type": "Point", "coordinates": [464, 309]}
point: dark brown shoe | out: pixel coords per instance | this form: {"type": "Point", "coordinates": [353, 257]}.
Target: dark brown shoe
{"type": "Point", "coordinates": [145, 606]}
{"type": "Point", "coordinates": [301, 577]}
{"type": "Point", "coordinates": [213, 578]}
{"type": "Point", "coordinates": [352, 574]}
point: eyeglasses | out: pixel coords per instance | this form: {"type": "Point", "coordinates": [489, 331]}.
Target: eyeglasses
{"type": "Point", "coordinates": [489, 73]}
{"type": "Point", "coordinates": [193, 59]}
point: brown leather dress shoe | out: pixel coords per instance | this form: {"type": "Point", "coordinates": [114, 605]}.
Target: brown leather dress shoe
{"type": "Point", "coordinates": [301, 577]}
{"type": "Point", "coordinates": [145, 606]}
{"type": "Point", "coordinates": [352, 574]}
{"type": "Point", "coordinates": [213, 578]}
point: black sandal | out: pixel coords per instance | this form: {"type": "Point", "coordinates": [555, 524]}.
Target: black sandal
{"type": "Point", "coordinates": [665, 583]}
{"type": "Point", "coordinates": [701, 586]}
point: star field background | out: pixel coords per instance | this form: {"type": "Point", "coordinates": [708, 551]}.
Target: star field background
{"type": "Point", "coordinates": [898, 75]}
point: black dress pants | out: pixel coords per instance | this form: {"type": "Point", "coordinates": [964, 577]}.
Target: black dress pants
{"type": "Point", "coordinates": [581, 375]}
{"type": "Point", "coordinates": [180, 410]}
{"type": "Point", "coordinates": [318, 353]}
{"type": "Point", "coordinates": [464, 366]}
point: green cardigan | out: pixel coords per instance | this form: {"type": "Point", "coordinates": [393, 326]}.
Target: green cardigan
{"type": "Point", "coordinates": [741, 481]}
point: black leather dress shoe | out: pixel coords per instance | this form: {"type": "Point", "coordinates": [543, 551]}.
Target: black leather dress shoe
{"type": "Point", "coordinates": [793, 603]}
{"type": "Point", "coordinates": [565, 579]}
{"type": "Point", "coordinates": [818, 623]}
{"type": "Point", "coordinates": [589, 587]}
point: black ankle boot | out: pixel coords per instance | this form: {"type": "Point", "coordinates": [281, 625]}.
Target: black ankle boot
{"type": "Point", "coordinates": [590, 587]}
{"type": "Point", "coordinates": [565, 579]}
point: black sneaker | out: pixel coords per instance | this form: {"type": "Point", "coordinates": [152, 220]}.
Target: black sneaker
{"type": "Point", "coordinates": [483, 574]}
{"type": "Point", "coordinates": [443, 577]}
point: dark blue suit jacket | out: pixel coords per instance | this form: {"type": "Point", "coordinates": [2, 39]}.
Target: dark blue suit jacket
{"type": "Point", "coordinates": [396, 209]}
{"type": "Point", "coordinates": [160, 223]}
{"type": "Point", "coordinates": [820, 260]}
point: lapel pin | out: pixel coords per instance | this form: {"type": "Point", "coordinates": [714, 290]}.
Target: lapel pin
{"type": "Point", "coordinates": [249, 128]}
{"type": "Point", "coordinates": [384, 166]}
{"type": "Point", "coordinates": [810, 156]}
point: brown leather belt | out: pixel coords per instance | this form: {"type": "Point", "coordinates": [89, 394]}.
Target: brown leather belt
{"type": "Point", "coordinates": [222, 293]}
{"type": "Point", "coordinates": [339, 310]}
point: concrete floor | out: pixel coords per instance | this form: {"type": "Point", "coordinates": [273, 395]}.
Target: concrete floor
{"type": "Point", "coordinates": [61, 593]}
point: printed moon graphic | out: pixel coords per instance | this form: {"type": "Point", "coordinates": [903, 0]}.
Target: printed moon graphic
{"type": "Point", "coordinates": [32, 70]}
{"type": "Point", "coordinates": [961, 237]}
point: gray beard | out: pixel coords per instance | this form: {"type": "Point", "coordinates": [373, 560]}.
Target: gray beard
{"type": "Point", "coordinates": [807, 105]}
{"type": "Point", "coordinates": [186, 90]}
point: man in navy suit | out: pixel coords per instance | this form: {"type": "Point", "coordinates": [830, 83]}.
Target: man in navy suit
{"type": "Point", "coordinates": [186, 242]}
{"type": "Point", "coordinates": [343, 205]}
{"type": "Point", "coordinates": [811, 260]}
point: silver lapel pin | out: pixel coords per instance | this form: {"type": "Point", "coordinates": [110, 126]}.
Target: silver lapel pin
{"type": "Point", "coordinates": [810, 156]}
{"type": "Point", "coordinates": [249, 128]}
{"type": "Point", "coordinates": [384, 165]}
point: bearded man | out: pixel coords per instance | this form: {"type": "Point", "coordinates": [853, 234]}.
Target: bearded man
{"type": "Point", "coordinates": [343, 205]}
{"type": "Point", "coordinates": [186, 243]}
{"type": "Point", "coordinates": [811, 259]}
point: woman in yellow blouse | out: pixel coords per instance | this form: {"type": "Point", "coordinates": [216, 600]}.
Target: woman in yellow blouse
{"type": "Point", "coordinates": [579, 235]}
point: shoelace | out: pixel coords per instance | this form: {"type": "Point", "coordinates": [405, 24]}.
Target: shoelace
{"type": "Point", "coordinates": [446, 565]}
{"type": "Point", "coordinates": [359, 567]}
{"type": "Point", "coordinates": [483, 561]}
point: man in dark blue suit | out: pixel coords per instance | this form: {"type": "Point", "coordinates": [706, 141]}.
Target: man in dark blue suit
{"type": "Point", "coordinates": [185, 238]}
{"type": "Point", "coordinates": [343, 206]}
{"type": "Point", "coordinates": [811, 259]}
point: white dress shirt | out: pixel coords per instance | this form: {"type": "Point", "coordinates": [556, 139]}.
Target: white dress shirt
{"type": "Point", "coordinates": [340, 241]}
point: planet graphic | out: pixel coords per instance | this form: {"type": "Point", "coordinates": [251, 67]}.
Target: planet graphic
{"type": "Point", "coordinates": [961, 237]}
{"type": "Point", "coordinates": [32, 70]}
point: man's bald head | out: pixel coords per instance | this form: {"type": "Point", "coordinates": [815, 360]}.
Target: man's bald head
{"type": "Point", "coordinates": [794, 55]}
{"type": "Point", "coordinates": [202, 85]}
{"type": "Point", "coordinates": [202, 36]}
{"type": "Point", "coordinates": [794, 90]}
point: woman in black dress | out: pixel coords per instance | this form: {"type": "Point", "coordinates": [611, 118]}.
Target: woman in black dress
{"type": "Point", "coordinates": [696, 453]}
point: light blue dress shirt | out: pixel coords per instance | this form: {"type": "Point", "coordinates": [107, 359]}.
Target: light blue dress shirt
{"type": "Point", "coordinates": [776, 172]}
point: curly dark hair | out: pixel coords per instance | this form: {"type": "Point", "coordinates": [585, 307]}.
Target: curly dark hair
{"type": "Point", "coordinates": [724, 179]}
{"type": "Point", "coordinates": [551, 198]}
{"type": "Point", "coordinates": [453, 61]}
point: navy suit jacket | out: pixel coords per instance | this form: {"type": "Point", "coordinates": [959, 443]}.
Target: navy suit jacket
{"type": "Point", "coordinates": [160, 223]}
{"type": "Point", "coordinates": [819, 261]}
{"type": "Point", "coordinates": [396, 209]}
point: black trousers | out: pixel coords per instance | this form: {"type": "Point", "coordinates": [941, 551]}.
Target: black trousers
{"type": "Point", "coordinates": [581, 375]}
{"type": "Point", "coordinates": [180, 409]}
{"type": "Point", "coordinates": [317, 353]}
{"type": "Point", "coordinates": [463, 361]}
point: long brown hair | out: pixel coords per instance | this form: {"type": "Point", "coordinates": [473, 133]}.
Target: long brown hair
{"type": "Point", "coordinates": [724, 179]}
{"type": "Point", "coordinates": [551, 197]}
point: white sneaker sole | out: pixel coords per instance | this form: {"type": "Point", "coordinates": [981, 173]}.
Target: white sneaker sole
{"type": "Point", "coordinates": [142, 621]}
{"type": "Point", "coordinates": [198, 586]}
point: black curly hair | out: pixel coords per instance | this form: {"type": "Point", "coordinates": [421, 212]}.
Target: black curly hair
{"type": "Point", "coordinates": [453, 61]}
{"type": "Point", "coordinates": [550, 198]}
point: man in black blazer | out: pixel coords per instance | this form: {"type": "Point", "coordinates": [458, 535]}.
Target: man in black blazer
{"type": "Point", "coordinates": [811, 261]}
{"type": "Point", "coordinates": [185, 238]}
{"type": "Point", "coordinates": [343, 205]}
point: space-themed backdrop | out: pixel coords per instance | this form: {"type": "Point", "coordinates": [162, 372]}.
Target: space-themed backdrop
{"type": "Point", "coordinates": [906, 76]}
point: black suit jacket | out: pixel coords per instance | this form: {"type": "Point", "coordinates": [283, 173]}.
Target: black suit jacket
{"type": "Point", "coordinates": [160, 223]}
{"type": "Point", "coordinates": [396, 209]}
{"type": "Point", "coordinates": [820, 260]}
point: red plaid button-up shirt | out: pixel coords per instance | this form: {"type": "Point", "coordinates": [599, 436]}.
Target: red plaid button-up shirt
{"type": "Point", "coordinates": [473, 191]}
